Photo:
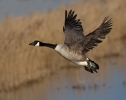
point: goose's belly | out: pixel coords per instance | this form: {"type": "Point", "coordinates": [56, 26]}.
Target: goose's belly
{"type": "Point", "coordinates": [72, 56]}
{"type": "Point", "coordinates": [76, 59]}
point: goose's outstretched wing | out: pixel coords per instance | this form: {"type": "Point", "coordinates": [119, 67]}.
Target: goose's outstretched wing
{"type": "Point", "coordinates": [92, 39]}
{"type": "Point", "coordinates": [72, 28]}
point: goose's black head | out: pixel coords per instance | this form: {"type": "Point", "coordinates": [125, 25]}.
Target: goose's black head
{"type": "Point", "coordinates": [37, 43]}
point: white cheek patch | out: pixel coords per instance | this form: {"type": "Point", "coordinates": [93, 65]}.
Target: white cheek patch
{"type": "Point", "coordinates": [38, 44]}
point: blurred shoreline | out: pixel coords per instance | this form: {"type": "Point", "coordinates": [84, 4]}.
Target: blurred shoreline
{"type": "Point", "coordinates": [25, 7]}
{"type": "Point", "coordinates": [22, 64]}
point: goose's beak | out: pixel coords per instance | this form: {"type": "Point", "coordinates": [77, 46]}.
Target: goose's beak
{"type": "Point", "coordinates": [31, 43]}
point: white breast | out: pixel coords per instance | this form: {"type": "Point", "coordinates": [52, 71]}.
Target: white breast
{"type": "Point", "coordinates": [59, 47]}
{"type": "Point", "coordinates": [63, 50]}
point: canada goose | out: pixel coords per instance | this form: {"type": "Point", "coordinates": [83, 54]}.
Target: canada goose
{"type": "Point", "coordinates": [76, 45]}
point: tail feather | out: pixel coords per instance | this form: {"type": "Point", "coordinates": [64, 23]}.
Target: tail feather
{"type": "Point", "coordinates": [91, 66]}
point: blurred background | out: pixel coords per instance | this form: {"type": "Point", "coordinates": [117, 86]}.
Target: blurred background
{"type": "Point", "coordinates": [33, 73]}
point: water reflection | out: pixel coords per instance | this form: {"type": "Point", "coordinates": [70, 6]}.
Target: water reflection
{"type": "Point", "coordinates": [75, 84]}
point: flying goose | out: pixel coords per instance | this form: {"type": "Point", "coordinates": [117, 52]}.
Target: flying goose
{"type": "Point", "coordinates": [76, 45]}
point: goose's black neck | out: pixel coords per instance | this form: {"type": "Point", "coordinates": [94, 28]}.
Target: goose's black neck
{"type": "Point", "coordinates": [53, 46]}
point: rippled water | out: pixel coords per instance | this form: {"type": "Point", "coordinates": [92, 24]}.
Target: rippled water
{"type": "Point", "coordinates": [77, 84]}
{"type": "Point", "coordinates": [23, 7]}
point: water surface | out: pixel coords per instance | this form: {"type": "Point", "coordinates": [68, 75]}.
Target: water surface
{"type": "Point", "coordinates": [24, 7]}
{"type": "Point", "coordinates": [76, 84]}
